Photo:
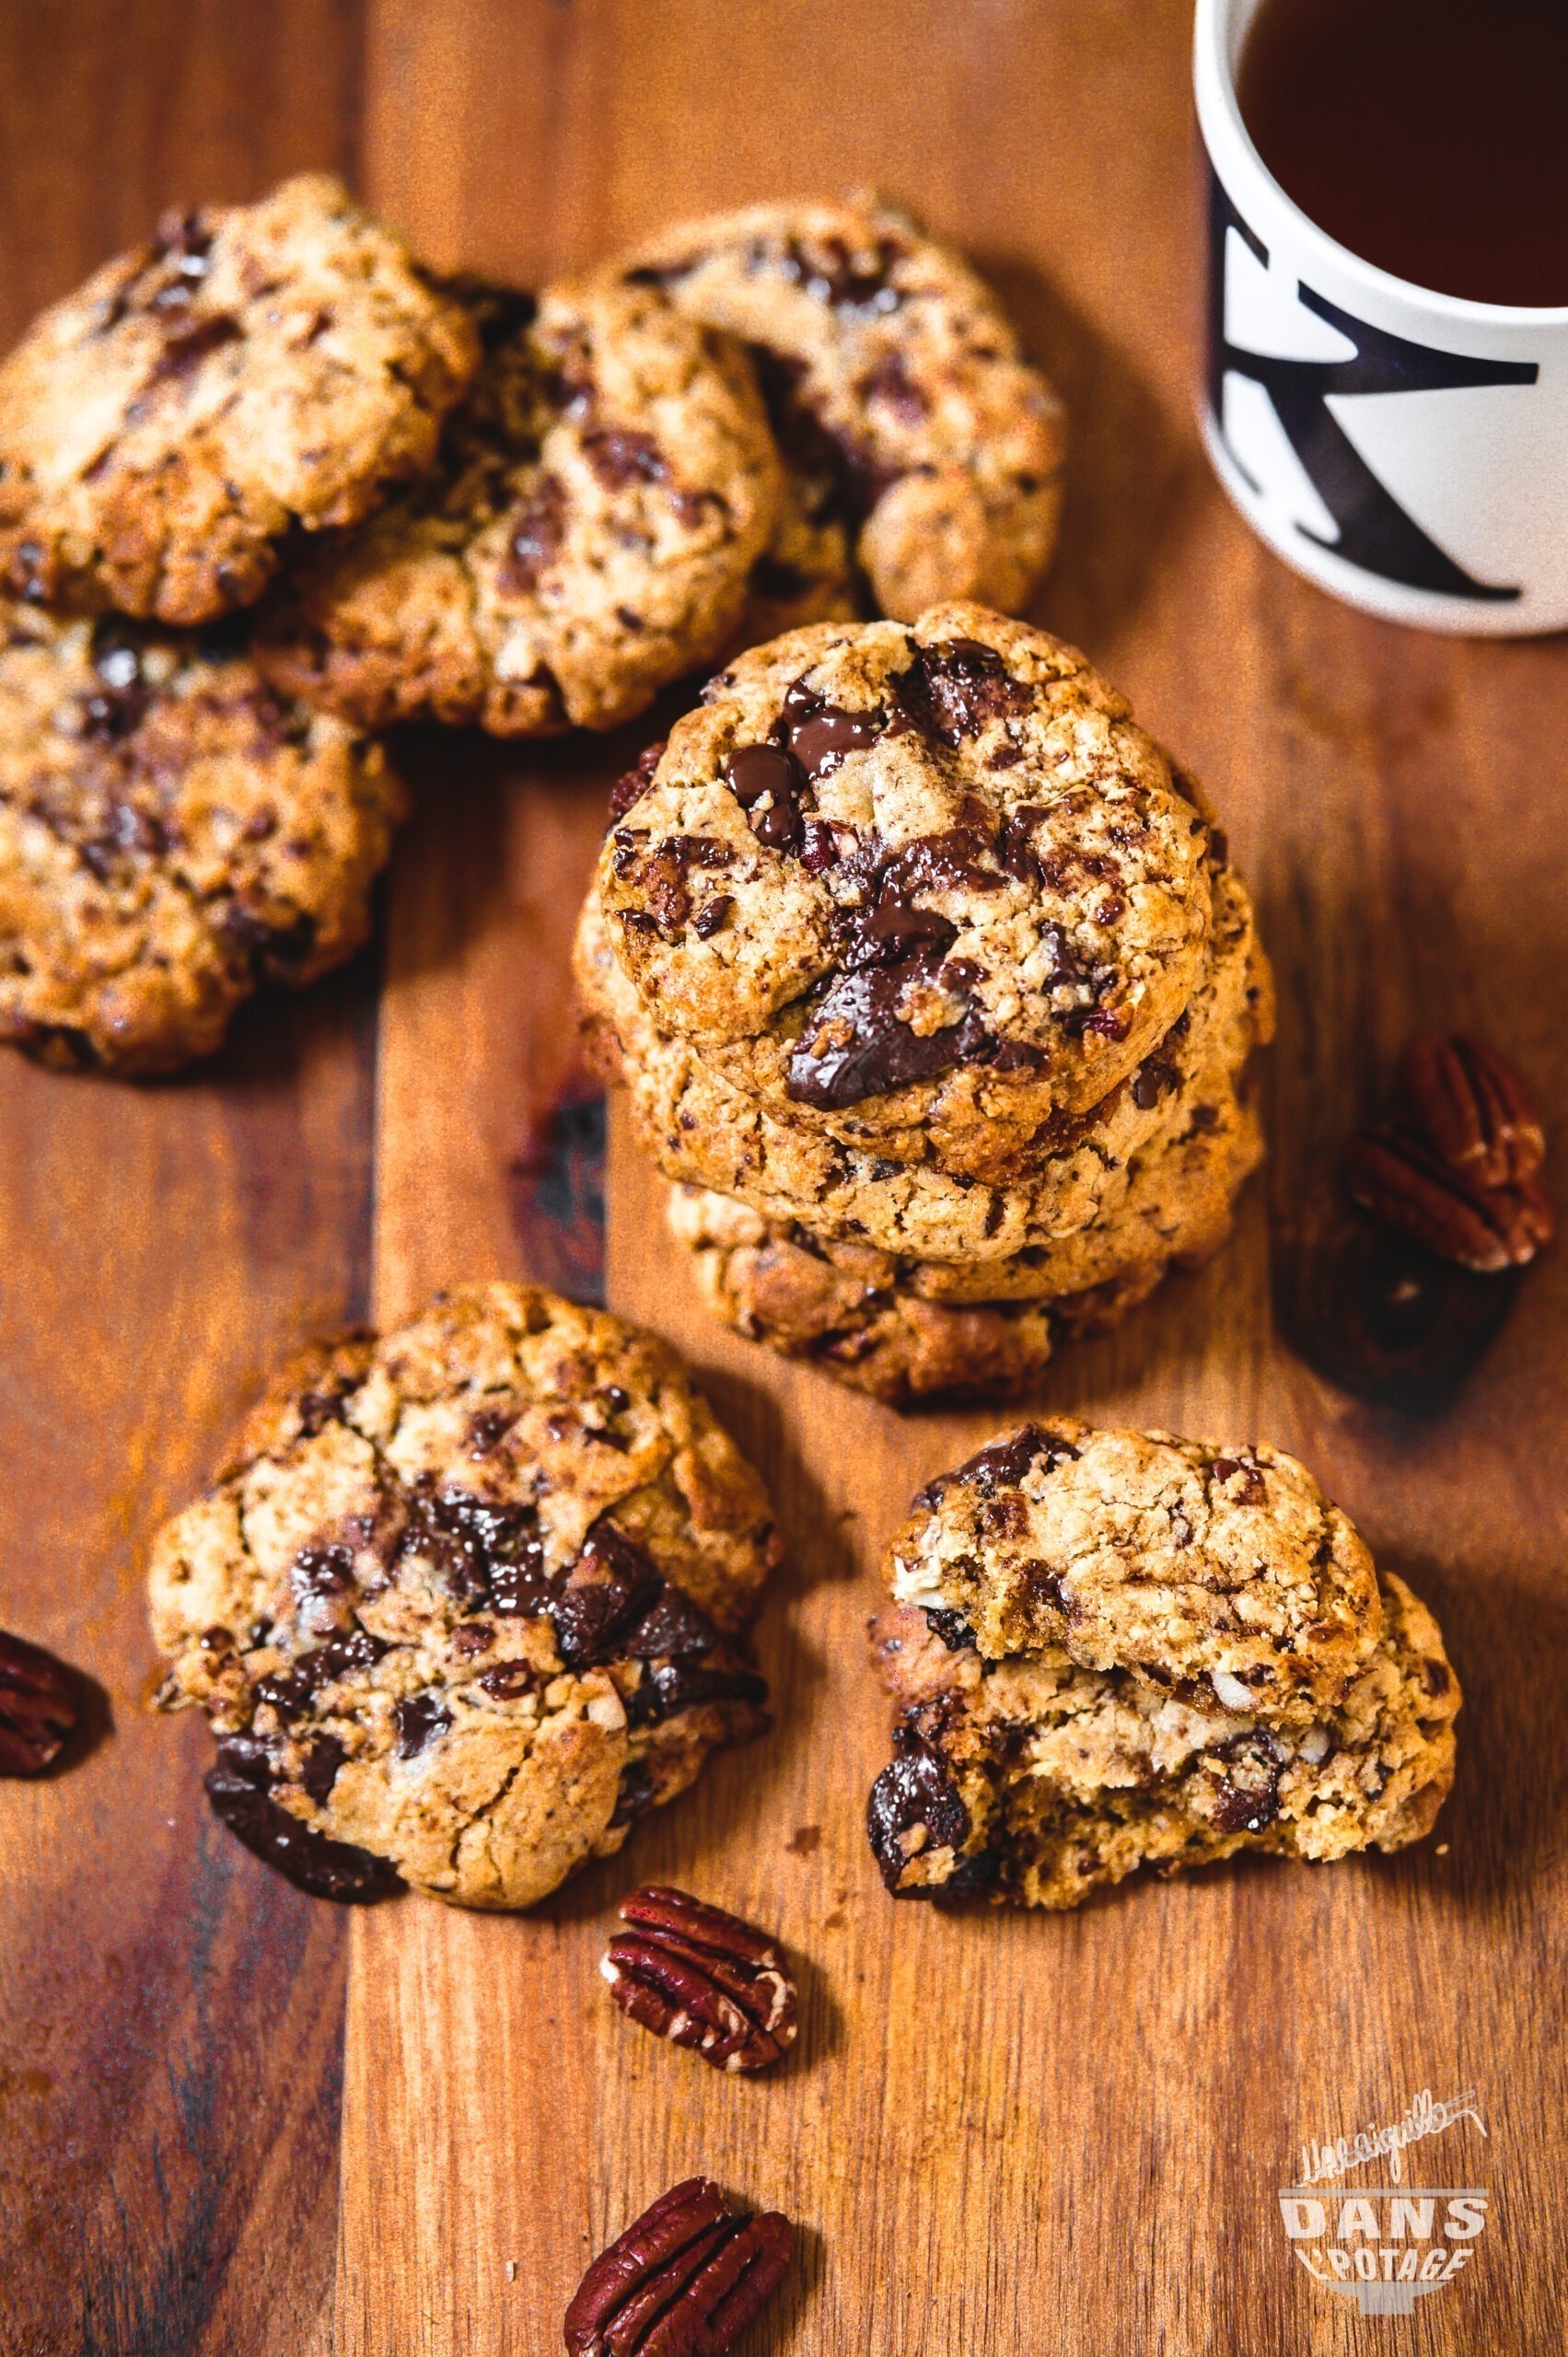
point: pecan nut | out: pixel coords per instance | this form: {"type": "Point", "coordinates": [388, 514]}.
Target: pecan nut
{"type": "Point", "coordinates": [1472, 1109]}
{"type": "Point", "coordinates": [38, 1703]}
{"type": "Point", "coordinates": [684, 2280]}
{"type": "Point", "coordinates": [1401, 1182]}
{"type": "Point", "coordinates": [703, 1978]}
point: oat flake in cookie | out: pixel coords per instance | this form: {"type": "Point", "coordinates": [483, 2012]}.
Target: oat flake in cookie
{"type": "Point", "coordinates": [255, 368]}
{"type": "Point", "coordinates": [470, 1598]}
{"type": "Point", "coordinates": [933, 874]}
{"type": "Point", "coordinates": [173, 833]}
{"type": "Point", "coordinates": [1118, 1648]}
{"type": "Point", "coordinates": [923, 452]}
{"type": "Point", "coordinates": [585, 538]}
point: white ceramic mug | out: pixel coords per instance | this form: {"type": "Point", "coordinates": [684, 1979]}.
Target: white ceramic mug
{"type": "Point", "coordinates": [1407, 450]}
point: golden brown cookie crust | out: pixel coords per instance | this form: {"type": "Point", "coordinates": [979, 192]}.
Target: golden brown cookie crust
{"type": "Point", "coordinates": [1035, 1781]}
{"type": "Point", "coordinates": [1173, 1560]}
{"type": "Point", "coordinates": [476, 1591]}
{"type": "Point", "coordinates": [1194, 1139]}
{"type": "Point", "coordinates": [898, 393]}
{"type": "Point", "coordinates": [585, 538]}
{"type": "Point", "coordinates": [172, 834]}
{"type": "Point", "coordinates": [254, 369]}
{"type": "Point", "coordinates": [927, 876]}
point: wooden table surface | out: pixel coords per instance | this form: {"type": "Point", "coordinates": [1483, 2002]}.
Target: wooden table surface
{"type": "Point", "coordinates": [235, 2120]}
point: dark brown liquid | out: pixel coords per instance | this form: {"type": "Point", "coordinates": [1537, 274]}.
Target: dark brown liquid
{"type": "Point", "coordinates": [1429, 136]}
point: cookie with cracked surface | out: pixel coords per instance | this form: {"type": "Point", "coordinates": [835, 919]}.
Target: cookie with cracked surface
{"type": "Point", "coordinates": [472, 1597]}
{"type": "Point", "coordinates": [255, 370]}
{"type": "Point", "coordinates": [868, 1320]}
{"type": "Point", "coordinates": [586, 535]}
{"type": "Point", "coordinates": [1136, 1172]}
{"type": "Point", "coordinates": [1035, 1781]}
{"type": "Point", "coordinates": [1217, 1571]}
{"type": "Point", "coordinates": [906, 1330]}
{"type": "Point", "coordinates": [929, 876]}
{"type": "Point", "coordinates": [173, 833]}
{"type": "Point", "coordinates": [898, 388]}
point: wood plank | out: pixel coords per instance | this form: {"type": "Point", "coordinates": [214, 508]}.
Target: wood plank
{"type": "Point", "coordinates": [171, 2015]}
{"type": "Point", "coordinates": [996, 2131]}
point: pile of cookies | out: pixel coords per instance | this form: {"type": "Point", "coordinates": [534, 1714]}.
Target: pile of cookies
{"type": "Point", "coordinates": [932, 988]}
{"type": "Point", "coordinates": [1116, 1648]}
{"type": "Point", "coordinates": [267, 485]}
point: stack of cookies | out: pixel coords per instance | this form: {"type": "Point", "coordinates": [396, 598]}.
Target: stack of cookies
{"type": "Point", "coordinates": [267, 486]}
{"type": "Point", "coordinates": [1115, 1648]}
{"type": "Point", "coordinates": [930, 983]}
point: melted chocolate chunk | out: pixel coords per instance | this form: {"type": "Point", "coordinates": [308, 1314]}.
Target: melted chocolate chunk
{"type": "Point", "coordinates": [610, 1586]}
{"type": "Point", "coordinates": [1247, 1798]}
{"type": "Point", "coordinates": [766, 781]}
{"type": "Point", "coordinates": [535, 530]}
{"type": "Point", "coordinates": [509, 1681]}
{"type": "Point", "coordinates": [634, 784]}
{"type": "Point", "coordinates": [637, 1795]}
{"type": "Point", "coordinates": [487, 1430]}
{"type": "Point", "coordinates": [672, 1625]}
{"type": "Point", "coordinates": [951, 691]}
{"type": "Point", "coordinates": [238, 1790]}
{"type": "Point", "coordinates": [712, 916]}
{"type": "Point", "coordinates": [830, 275]}
{"type": "Point", "coordinates": [620, 457]}
{"type": "Point", "coordinates": [1008, 1461]}
{"type": "Point", "coordinates": [290, 1690]}
{"type": "Point", "coordinates": [419, 1720]}
{"type": "Point", "coordinates": [322, 1575]}
{"type": "Point", "coordinates": [951, 1627]}
{"type": "Point", "coordinates": [670, 1686]}
{"type": "Point", "coordinates": [914, 1790]}
{"type": "Point", "coordinates": [1150, 1083]}
{"type": "Point", "coordinates": [1015, 850]}
{"type": "Point", "coordinates": [822, 735]}
{"type": "Point", "coordinates": [322, 1760]}
{"type": "Point", "coordinates": [185, 347]}
{"type": "Point", "coordinates": [488, 1554]}
{"type": "Point", "coordinates": [881, 1052]}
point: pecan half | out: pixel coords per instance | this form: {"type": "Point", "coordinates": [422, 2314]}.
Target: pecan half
{"type": "Point", "coordinates": [1401, 1181]}
{"type": "Point", "coordinates": [684, 2280]}
{"type": "Point", "coordinates": [39, 1704]}
{"type": "Point", "coordinates": [701, 1978]}
{"type": "Point", "coordinates": [1472, 1109]}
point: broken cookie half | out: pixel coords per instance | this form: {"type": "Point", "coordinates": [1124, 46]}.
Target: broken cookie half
{"type": "Point", "coordinates": [1045, 1748]}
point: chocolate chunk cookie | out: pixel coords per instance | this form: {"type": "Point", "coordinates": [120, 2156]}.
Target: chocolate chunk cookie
{"type": "Point", "coordinates": [1114, 1648]}
{"type": "Point", "coordinates": [904, 1330]}
{"type": "Point", "coordinates": [1033, 1780]}
{"type": "Point", "coordinates": [256, 368]}
{"type": "Point", "coordinates": [927, 451]}
{"type": "Point", "coordinates": [469, 1599]}
{"type": "Point", "coordinates": [1179, 1562]}
{"type": "Point", "coordinates": [173, 833]}
{"type": "Point", "coordinates": [584, 538]}
{"type": "Point", "coordinates": [932, 875]}
{"type": "Point", "coordinates": [892, 1328]}
{"type": "Point", "coordinates": [1179, 1131]}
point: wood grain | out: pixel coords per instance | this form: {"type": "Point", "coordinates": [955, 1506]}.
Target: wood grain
{"type": "Point", "coordinates": [998, 2133]}
{"type": "Point", "coordinates": [999, 2130]}
{"type": "Point", "coordinates": [170, 2017]}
